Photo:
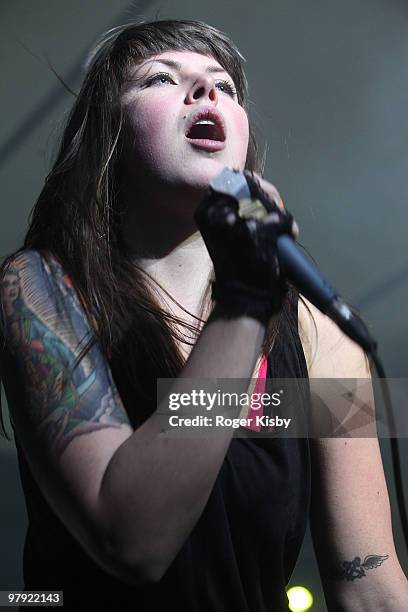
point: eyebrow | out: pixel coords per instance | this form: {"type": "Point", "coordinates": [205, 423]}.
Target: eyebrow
{"type": "Point", "coordinates": [177, 66]}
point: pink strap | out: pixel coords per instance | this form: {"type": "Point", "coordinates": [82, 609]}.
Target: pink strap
{"type": "Point", "coordinates": [259, 388]}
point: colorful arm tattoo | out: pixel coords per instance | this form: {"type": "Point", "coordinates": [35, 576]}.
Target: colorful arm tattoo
{"type": "Point", "coordinates": [45, 327]}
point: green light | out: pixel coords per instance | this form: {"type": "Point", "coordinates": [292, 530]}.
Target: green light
{"type": "Point", "coordinates": [300, 599]}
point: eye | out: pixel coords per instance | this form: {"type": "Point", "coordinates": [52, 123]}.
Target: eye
{"type": "Point", "coordinates": [162, 77]}
{"type": "Point", "coordinates": [226, 87]}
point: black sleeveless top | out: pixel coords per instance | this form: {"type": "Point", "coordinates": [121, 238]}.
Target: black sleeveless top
{"type": "Point", "coordinates": [242, 551]}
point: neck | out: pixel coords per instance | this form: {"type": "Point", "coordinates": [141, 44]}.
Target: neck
{"type": "Point", "coordinates": [157, 219]}
{"type": "Point", "coordinates": [184, 272]}
{"type": "Point", "coordinates": [164, 241]}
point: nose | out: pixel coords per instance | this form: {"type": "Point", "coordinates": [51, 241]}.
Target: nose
{"type": "Point", "coordinates": [203, 88]}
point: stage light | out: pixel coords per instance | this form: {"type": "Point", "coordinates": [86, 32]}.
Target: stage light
{"type": "Point", "coordinates": [300, 599]}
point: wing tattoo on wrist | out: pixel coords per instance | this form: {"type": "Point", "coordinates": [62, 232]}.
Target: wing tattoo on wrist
{"type": "Point", "coordinates": [350, 570]}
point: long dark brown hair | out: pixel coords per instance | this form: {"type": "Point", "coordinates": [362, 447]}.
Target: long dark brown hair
{"type": "Point", "coordinates": [77, 217]}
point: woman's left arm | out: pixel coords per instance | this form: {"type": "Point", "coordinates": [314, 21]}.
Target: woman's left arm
{"type": "Point", "coordinates": [350, 516]}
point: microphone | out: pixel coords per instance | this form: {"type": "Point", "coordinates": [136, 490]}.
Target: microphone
{"type": "Point", "coordinates": [307, 279]}
{"type": "Point", "coordinates": [297, 267]}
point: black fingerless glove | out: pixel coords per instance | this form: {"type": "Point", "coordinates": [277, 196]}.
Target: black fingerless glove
{"type": "Point", "coordinates": [243, 251]}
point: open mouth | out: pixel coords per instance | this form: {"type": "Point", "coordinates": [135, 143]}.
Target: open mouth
{"type": "Point", "coordinates": [206, 129]}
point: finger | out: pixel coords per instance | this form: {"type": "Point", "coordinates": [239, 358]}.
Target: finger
{"type": "Point", "coordinates": [271, 218]}
{"type": "Point", "coordinates": [270, 190]}
{"type": "Point", "coordinates": [275, 218]}
{"type": "Point", "coordinates": [231, 218]}
{"type": "Point", "coordinates": [223, 211]}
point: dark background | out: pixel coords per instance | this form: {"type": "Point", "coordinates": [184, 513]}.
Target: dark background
{"type": "Point", "coordinates": [328, 82]}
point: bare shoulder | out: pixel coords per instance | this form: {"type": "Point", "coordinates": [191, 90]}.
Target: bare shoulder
{"type": "Point", "coordinates": [328, 351]}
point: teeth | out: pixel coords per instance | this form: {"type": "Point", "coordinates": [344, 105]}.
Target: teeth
{"type": "Point", "coordinates": [205, 122]}
{"type": "Point", "coordinates": [206, 128]}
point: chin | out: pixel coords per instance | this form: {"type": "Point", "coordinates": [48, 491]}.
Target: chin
{"type": "Point", "coordinates": [209, 168]}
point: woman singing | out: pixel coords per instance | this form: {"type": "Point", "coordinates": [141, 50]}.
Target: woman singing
{"type": "Point", "coordinates": [124, 277]}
